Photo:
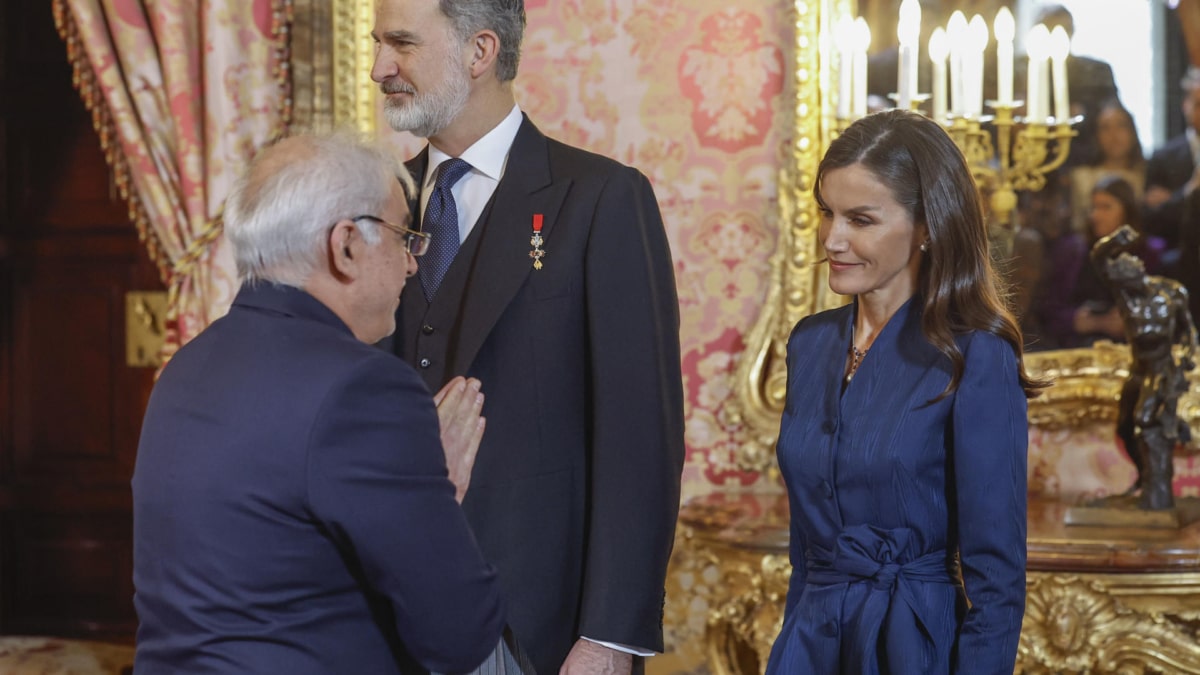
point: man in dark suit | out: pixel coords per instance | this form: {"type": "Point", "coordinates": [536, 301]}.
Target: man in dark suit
{"type": "Point", "coordinates": [292, 508]}
{"type": "Point", "coordinates": [1173, 171]}
{"type": "Point", "coordinates": [560, 297]}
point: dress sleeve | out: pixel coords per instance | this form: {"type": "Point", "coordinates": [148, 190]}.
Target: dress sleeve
{"type": "Point", "coordinates": [796, 542]}
{"type": "Point", "coordinates": [378, 484]}
{"type": "Point", "coordinates": [990, 440]}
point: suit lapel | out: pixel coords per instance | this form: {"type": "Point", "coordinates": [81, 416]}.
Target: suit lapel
{"type": "Point", "coordinates": [412, 299]}
{"type": "Point", "coordinates": [416, 167]}
{"type": "Point", "coordinates": [503, 262]}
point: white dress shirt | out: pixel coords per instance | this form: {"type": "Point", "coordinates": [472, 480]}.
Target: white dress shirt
{"type": "Point", "coordinates": [488, 156]}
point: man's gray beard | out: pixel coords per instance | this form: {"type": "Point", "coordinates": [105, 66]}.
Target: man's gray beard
{"type": "Point", "coordinates": [426, 115]}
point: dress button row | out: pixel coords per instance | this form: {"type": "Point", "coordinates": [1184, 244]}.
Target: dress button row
{"type": "Point", "coordinates": [427, 329]}
{"type": "Point", "coordinates": [425, 363]}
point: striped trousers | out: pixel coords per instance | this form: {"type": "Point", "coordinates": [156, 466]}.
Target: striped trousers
{"type": "Point", "coordinates": [506, 659]}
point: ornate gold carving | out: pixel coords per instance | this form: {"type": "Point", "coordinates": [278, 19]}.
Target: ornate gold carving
{"type": "Point", "coordinates": [728, 581]}
{"type": "Point", "coordinates": [742, 628]}
{"type": "Point", "coordinates": [728, 586]}
{"type": "Point", "coordinates": [1081, 623]}
{"type": "Point", "coordinates": [353, 55]}
{"type": "Point", "coordinates": [1087, 386]}
{"type": "Point", "coordinates": [1001, 174]}
{"type": "Point", "coordinates": [796, 288]}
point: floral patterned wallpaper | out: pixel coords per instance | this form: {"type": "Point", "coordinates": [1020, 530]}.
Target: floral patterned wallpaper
{"type": "Point", "coordinates": [692, 93]}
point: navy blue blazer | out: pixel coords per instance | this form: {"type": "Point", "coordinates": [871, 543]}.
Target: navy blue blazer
{"type": "Point", "coordinates": [292, 508]}
{"type": "Point", "coordinates": [887, 489]}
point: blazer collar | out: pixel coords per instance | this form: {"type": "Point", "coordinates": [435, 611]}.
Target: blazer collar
{"type": "Point", "coordinates": [899, 341]}
{"type": "Point", "coordinates": [288, 301]}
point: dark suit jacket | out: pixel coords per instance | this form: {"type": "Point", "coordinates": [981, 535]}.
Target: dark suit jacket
{"type": "Point", "coordinates": [575, 490]}
{"type": "Point", "coordinates": [292, 511]}
{"type": "Point", "coordinates": [1169, 167]}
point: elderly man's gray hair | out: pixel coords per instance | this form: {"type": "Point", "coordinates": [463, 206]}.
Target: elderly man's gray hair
{"type": "Point", "coordinates": [279, 214]}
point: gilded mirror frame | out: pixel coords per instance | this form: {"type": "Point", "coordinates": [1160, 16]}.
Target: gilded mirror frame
{"type": "Point", "coordinates": [1087, 381]}
{"type": "Point", "coordinates": [353, 55]}
{"type": "Point", "coordinates": [338, 92]}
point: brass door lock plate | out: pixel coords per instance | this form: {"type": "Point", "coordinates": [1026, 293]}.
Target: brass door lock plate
{"type": "Point", "coordinates": [145, 328]}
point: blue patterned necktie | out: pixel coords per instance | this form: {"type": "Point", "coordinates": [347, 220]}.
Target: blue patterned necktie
{"type": "Point", "coordinates": [441, 222]}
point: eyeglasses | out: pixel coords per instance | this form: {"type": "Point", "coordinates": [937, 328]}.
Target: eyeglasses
{"type": "Point", "coordinates": [417, 243]}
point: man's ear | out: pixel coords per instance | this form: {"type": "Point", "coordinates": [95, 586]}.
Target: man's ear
{"type": "Point", "coordinates": [485, 47]}
{"type": "Point", "coordinates": [345, 249]}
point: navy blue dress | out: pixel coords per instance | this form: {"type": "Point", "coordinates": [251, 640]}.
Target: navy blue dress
{"type": "Point", "coordinates": [889, 491]}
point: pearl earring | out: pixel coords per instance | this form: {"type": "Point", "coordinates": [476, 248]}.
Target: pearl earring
{"type": "Point", "coordinates": [924, 246]}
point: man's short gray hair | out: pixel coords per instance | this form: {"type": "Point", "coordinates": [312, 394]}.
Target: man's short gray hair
{"type": "Point", "coordinates": [280, 212]}
{"type": "Point", "coordinates": [505, 17]}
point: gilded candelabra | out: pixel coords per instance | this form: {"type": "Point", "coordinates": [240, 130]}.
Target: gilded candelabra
{"type": "Point", "coordinates": [1006, 154]}
{"type": "Point", "coordinates": [1019, 159]}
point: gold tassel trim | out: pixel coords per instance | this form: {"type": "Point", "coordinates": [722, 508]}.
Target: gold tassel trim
{"type": "Point", "coordinates": [172, 274]}
{"type": "Point", "coordinates": [84, 79]}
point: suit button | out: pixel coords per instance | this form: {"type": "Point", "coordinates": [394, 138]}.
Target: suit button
{"type": "Point", "coordinates": [427, 329]}
{"type": "Point", "coordinates": [425, 363]}
{"type": "Point", "coordinates": [827, 489]}
{"type": "Point", "coordinates": [829, 426]}
{"type": "Point", "coordinates": [829, 628]}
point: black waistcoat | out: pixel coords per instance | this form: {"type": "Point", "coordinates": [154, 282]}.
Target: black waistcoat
{"type": "Point", "coordinates": [427, 333]}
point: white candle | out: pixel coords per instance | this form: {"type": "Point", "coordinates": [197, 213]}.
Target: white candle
{"type": "Point", "coordinates": [938, 50]}
{"type": "Point", "coordinates": [1060, 47]}
{"type": "Point", "coordinates": [862, 36]}
{"type": "Point", "coordinates": [1037, 46]}
{"type": "Point", "coordinates": [1005, 30]}
{"type": "Point", "coordinates": [1044, 83]}
{"type": "Point", "coordinates": [843, 38]}
{"type": "Point", "coordinates": [957, 30]}
{"type": "Point", "coordinates": [909, 32]}
{"type": "Point", "coordinates": [978, 32]}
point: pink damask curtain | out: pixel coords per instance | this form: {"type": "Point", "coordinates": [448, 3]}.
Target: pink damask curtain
{"type": "Point", "coordinates": [183, 93]}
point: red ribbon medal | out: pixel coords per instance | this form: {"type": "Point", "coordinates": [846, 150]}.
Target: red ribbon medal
{"type": "Point", "coordinates": [536, 242]}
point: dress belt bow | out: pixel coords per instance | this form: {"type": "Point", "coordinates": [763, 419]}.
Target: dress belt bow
{"type": "Point", "coordinates": [872, 555]}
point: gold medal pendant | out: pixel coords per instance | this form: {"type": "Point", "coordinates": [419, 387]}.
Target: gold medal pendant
{"type": "Point", "coordinates": [536, 242]}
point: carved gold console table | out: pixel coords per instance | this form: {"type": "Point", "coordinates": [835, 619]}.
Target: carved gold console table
{"type": "Point", "coordinates": [1099, 600]}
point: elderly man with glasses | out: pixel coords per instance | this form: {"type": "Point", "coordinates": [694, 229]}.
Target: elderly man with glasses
{"type": "Point", "coordinates": [296, 506]}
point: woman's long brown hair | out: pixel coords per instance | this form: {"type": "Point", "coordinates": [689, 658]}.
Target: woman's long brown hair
{"type": "Point", "coordinates": [928, 175]}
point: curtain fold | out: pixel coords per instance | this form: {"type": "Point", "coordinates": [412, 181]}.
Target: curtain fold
{"type": "Point", "coordinates": [182, 93]}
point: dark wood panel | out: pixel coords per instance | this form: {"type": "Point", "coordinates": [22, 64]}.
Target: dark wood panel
{"type": "Point", "coordinates": [77, 407]}
{"type": "Point", "coordinates": [74, 575]}
{"type": "Point", "coordinates": [63, 379]}
{"type": "Point", "coordinates": [70, 409]}
{"type": "Point", "coordinates": [61, 183]}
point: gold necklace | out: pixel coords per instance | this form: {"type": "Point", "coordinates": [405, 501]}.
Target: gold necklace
{"type": "Point", "coordinates": [856, 357]}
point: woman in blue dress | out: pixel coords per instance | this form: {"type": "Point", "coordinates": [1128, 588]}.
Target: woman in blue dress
{"type": "Point", "coordinates": [904, 437]}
